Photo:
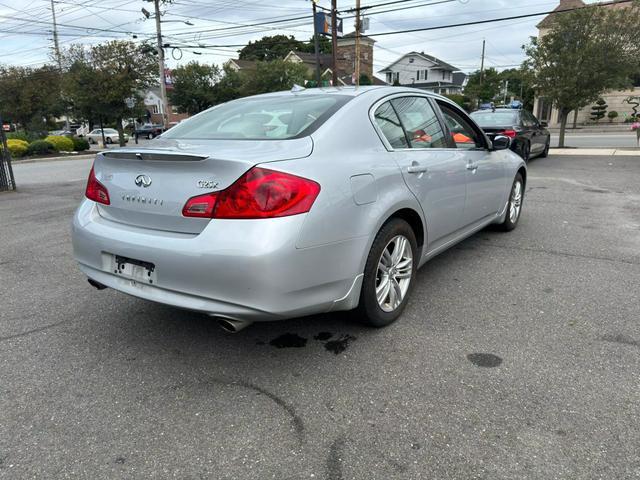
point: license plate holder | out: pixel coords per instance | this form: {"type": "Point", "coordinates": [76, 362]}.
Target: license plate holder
{"type": "Point", "coordinates": [133, 269]}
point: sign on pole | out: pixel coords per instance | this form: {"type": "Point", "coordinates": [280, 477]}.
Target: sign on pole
{"type": "Point", "coordinates": [323, 24]}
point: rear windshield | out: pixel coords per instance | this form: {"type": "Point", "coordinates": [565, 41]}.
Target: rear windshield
{"type": "Point", "coordinates": [495, 119]}
{"type": "Point", "coordinates": [256, 118]}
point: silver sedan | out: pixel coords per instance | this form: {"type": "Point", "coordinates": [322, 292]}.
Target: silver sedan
{"type": "Point", "coordinates": [295, 203]}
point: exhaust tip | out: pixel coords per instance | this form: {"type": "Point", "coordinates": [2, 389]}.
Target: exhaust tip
{"type": "Point", "coordinates": [233, 326]}
{"type": "Point", "coordinates": [95, 284]}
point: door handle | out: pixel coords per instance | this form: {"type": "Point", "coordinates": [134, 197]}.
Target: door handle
{"type": "Point", "coordinates": [417, 168]}
{"type": "Point", "coordinates": [472, 166]}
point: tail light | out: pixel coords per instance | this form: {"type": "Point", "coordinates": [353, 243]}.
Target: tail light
{"type": "Point", "coordinates": [95, 190]}
{"type": "Point", "coordinates": [259, 193]}
{"type": "Point", "coordinates": [508, 133]}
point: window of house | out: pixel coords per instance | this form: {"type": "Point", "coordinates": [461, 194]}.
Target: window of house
{"type": "Point", "coordinates": [463, 134]}
{"type": "Point", "coordinates": [420, 122]}
{"type": "Point", "coordinates": [389, 123]}
{"type": "Point", "coordinates": [155, 109]}
{"type": "Point", "coordinates": [444, 75]}
{"type": "Point", "coordinates": [389, 77]}
{"type": "Point", "coordinates": [418, 75]}
{"type": "Point", "coordinates": [396, 76]}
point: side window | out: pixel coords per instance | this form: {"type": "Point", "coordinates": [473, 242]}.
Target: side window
{"type": "Point", "coordinates": [389, 123]}
{"type": "Point", "coordinates": [529, 119]}
{"type": "Point", "coordinates": [420, 122]}
{"type": "Point", "coordinates": [464, 135]}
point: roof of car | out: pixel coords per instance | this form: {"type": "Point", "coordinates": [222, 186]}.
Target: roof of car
{"type": "Point", "coordinates": [352, 91]}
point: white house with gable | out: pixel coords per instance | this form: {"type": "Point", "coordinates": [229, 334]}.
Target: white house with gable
{"type": "Point", "coordinates": [419, 70]}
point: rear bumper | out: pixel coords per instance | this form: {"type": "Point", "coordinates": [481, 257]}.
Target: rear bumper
{"type": "Point", "coordinates": [246, 269]}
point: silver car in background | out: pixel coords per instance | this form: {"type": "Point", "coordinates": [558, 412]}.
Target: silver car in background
{"type": "Point", "coordinates": [295, 203]}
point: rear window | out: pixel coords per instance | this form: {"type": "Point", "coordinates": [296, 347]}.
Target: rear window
{"type": "Point", "coordinates": [495, 119]}
{"type": "Point", "coordinates": [266, 118]}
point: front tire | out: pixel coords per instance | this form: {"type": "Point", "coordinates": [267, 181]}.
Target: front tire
{"type": "Point", "coordinates": [108, 140]}
{"type": "Point", "coordinates": [545, 152]}
{"type": "Point", "coordinates": [514, 208]}
{"type": "Point", "coordinates": [389, 274]}
{"type": "Point", "coordinates": [525, 152]}
{"type": "Point", "coordinates": [150, 136]}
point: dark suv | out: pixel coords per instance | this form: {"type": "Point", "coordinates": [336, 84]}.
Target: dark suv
{"type": "Point", "coordinates": [529, 137]}
{"type": "Point", "coordinates": [149, 130]}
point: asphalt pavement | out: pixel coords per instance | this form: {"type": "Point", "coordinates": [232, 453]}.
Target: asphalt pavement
{"type": "Point", "coordinates": [518, 357]}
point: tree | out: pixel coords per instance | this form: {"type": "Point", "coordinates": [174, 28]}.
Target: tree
{"type": "Point", "coordinates": [193, 87]}
{"type": "Point", "coordinates": [599, 110]}
{"type": "Point", "coordinates": [364, 79]}
{"type": "Point", "coordinates": [612, 115]}
{"type": "Point", "coordinates": [273, 77]}
{"type": "Point", "coordinates": [324, 45]}
{"type": "Point", "coordinates": [30, 96]}
{"type": "Point", "coordinates": [102, 77]}
{"type": "Point", "coordinates": [486, 90]}
{"type": "Point", "coordinates": [519, 86]}
{"type": "Point", "coordinates": [585, 53]}
{"type": "Point", "coordinates": [229, 87]}
{"type": "Point", "coordinates": [270, 48]}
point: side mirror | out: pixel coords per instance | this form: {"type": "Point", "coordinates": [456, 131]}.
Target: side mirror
{"type": "Point", "coordinates": [544, 124]}
{"type": "Point", "coordinates": [501, 142]}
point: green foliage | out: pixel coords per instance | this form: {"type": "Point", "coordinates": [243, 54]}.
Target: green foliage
{"type": "Point", "coordinates": [462, 100]}
{"type": "Point", "coordinates": [193, 87]}
{"type": "Point", "coordinates": [61, 144]}
{"type": "Point", "coordinates": [24, 135]}
{"type": "Point", "coordinates": [28, 95]}
{"type": "Point", "coordinates": [40, 147]}
{"type": "Point", "coordinates": [365, 80]}
{"type": "Point", "coordinates": [16, 147]}
{"type": "Point", "coordinates": [278, 46]}
{"type": "Point", "coordinates": [488, 89]}
{"type": "Point", "coordinates": [586, 52]}
{"type": "Point", "coordinates": [612, 115]}
{"type": "Point", "coordinates": [599, 110]}
{"type": "Point", "coordinates": [230, 85]}
{"type": "Point", "coordinates": [99, 79]}
{"type": "Point", "coordinates": [273, 77]}
{"type": "Point", "coordinates": [79, 144]}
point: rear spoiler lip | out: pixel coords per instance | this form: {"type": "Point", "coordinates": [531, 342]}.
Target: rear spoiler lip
{"type": "Point", "coordinates": [153, 155]}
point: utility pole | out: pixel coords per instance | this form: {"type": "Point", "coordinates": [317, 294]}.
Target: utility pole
{"type": "Point", "coordinates": [506, 89]}
{"type": "Point", "coordinates": [334, 41]}
{"type": "Point", "coordinates": [163, 83]}
{"type": "Point", "coordinates": [56, 48]}
{"type": "Point", "coordinates": [358, 24]}
{"type": "Point", "coordinates": [482, 70]}
{"type": "Point", "coordinates": [316, 41]}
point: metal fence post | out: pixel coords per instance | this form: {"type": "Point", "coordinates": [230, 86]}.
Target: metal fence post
{"type": "Point", "coordinates": [7, 181]}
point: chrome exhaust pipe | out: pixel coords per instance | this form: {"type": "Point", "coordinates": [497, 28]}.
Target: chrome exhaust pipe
{"type": "Point", "coordinates": [233, 325]}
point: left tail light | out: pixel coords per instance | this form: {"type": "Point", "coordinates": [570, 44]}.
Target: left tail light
{"type": "Point", "coordinates": [259, 193]}
{"type": "Point", "coordinates": [95, 190]}
{"type": "Point", "coordinates": [509, 133]}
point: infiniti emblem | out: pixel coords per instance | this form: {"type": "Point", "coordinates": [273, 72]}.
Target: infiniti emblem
{"type": "Point", "coordinates": [143, 181]}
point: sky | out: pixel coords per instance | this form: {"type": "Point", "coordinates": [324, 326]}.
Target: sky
{"type": "Point", "coordinates": [220, 25]}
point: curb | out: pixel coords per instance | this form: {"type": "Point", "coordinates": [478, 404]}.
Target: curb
{"type": "Point", "coordinates": [600, 152]}
{"type": "Point", "coordinates": [52, 159]}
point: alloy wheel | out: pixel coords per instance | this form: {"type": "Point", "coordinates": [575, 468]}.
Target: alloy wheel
{"type": "Point", "coordinates": [393, 276]}
{"type": "Point", "coordinates": [516, 202]}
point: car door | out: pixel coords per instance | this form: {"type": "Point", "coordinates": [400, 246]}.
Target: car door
{"type": "Point", "coordinates": [538, 138]}
{"type": "Point", "coordinates": [434, 172]}
{"type": "Point", "coordinates": [485, 170]}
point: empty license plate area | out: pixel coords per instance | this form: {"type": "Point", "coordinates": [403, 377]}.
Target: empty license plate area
{"type": "Point", "coordinates": [138, 270]}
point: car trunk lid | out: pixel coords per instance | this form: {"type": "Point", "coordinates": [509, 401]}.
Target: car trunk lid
{"type": "Point", "coordinates": [148, 187]}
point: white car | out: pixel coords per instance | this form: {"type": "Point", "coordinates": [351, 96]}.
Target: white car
{"type": "Point", "coordinates": [110, 136]}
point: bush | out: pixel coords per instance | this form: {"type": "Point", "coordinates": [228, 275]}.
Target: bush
{"type": "Point", "coordinates": [612, 115]}
{"type": "Point", "coordinates": [17, 147]}
{"type": "Point", "coordinates": [61, 144]}
{"type": "Point", "coordinates": [79, 144]}
{"type": "Point", "coordinates": [40, 147]}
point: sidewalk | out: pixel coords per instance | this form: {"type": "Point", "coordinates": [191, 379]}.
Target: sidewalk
{"type": "Point", "coordinates": [17, 161]}
{"type": "Point", "coordinates": [604, 152]}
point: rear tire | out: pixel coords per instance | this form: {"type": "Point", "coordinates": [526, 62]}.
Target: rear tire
{"type": "Point", "coordinates": [108, 140]}
{"type": "Point", "coordinates": [514, 207]}
{"type": "Point", "coordinates": [150, 136]}
{"type": "Point", "coordinates": [545, 152]}
{"type": "Point", "coordinates": [389, 274]}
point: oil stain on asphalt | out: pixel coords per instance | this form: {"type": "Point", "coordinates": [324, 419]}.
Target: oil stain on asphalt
{"type": "Point", "coordinates": [486, 360]}
{"type": "Point", "coordinates": [293, 340]}
{"type": "Point", "coordinates": [288, 340]}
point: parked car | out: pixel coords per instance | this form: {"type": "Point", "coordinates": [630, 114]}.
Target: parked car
{"type": "Point", "coordinates": [61, 133]}
{"type": "Point", "coordinates": [530, 138]}
{"type": "Point", "coordinates": [336, 212]}
{"type": "Point", "coordinates": [149, 130]}
{"type": "Point", "coordinates": [110, 136]}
